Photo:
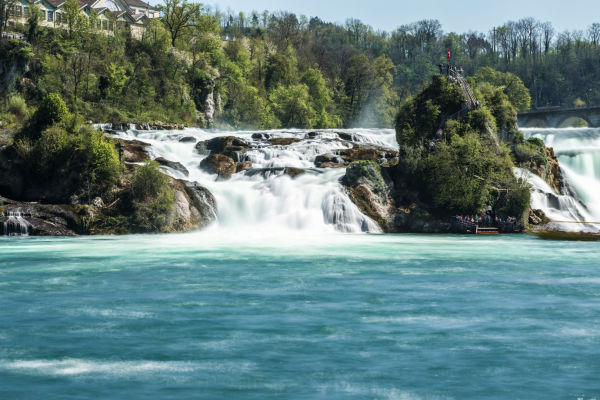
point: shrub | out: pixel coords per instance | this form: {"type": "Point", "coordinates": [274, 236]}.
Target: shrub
{"type": "Point", "coordinates": [52, 109]}
{"type": "Point", "coordinates": [17, 107]}
{"type": "Point", "coordinates": [102, 167]}
{"type": "Point", "coordinates": [153, 198]}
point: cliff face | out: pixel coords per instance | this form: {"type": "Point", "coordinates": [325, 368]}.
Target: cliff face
{"type": "Point", "coordinates": [550, 172]}
{"type": "Point", "coordinates": [383, 194]}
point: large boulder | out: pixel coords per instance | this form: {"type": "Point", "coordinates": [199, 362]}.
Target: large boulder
{"type": "Point", "coordinates": [219, 164]}
{"type": "Point", "coordinates": [229, 146]}
{"type": "Point", "coordinates": [329, 161]}
{"type": "Point", "coordinates": [134, 151]}
{"type": "Point", "coordinates": [339, 158]}
{"type": "Point", "coordinates": [177, 166]}
{"type": "Point", "coordinates": [41, 219]}
{"type": "Point", "coordinates": [195, 206]}
{"type": "Point", "coordinates": [284, 141]}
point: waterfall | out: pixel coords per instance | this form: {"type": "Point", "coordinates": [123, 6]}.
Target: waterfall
{"type": "Point", "coordinates": [15, 224]}
{"type": "Point", "coordinates": [578, 152]}
{"type": "Point", "coordinates": [271, 200]}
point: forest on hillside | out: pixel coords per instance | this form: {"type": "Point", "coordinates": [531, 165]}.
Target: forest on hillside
{"type": "Point", "coordinates": [202, 67]}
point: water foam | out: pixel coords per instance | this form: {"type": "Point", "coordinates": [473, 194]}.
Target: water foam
{"type": "Point", "coordinates": [314, 202]}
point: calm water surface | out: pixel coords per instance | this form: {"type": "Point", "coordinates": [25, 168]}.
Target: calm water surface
{"type": "Point", "coordinates": [231, 315]}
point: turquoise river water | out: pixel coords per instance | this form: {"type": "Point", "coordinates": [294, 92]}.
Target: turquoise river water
{"type": "Point", "coordinates": [222, 315]}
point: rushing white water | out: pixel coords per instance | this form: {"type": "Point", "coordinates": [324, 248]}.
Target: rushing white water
{"type": "Point", "coordinates": [314, 201]}
{"type": "Point", "coordinates": [15, 224]}
{"type": "Point", "coordinates": [578, 152]}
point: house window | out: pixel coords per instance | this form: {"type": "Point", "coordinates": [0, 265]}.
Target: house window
{"type": "Point", "coordinates": [19, 11]}
{"type": "Point", "coordinates": [26, 12]}
{"type": "Point", "coordinates": [43, 15]}
{"type": "Point", "coordinates": [110, 25]}
{"type": "Point", "coordinates": [98, 24]}
{"type": "Point", "coordinates": [105, 25]}
{"type": "Point", "coordinates": [57, 17]}
{"type": "Point", "coordinates": [50, 16]}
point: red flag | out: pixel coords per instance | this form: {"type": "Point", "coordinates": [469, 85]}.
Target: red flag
{"type": "Point", "coordinates": [448, 54]}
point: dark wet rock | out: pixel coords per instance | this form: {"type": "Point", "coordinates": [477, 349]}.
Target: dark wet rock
{"type": "Point", "coordinates": [330, 165]}
{"type": "Point", "coordinates": [134, 151]}
{"type": "Point", "coordinates": [261, 136]}
{"type": "Point", "coordinates": [340, 157]}
{"type": "Point", "coordinates": [285, 141]}
{"type": "Point", "coordinates": [329, 161]}
{"type": "Point", "coordinates": [382, 194]}
{"type": "Point", "coordinates": [158, 126]}
{"type": "Point", "coordinates": [374, 153]}
{"type": "Point", "coordinates": [537, 217]}
{"type": "Point", "coordinates": [243, 166]}
{"type": "Point", "coordinates": [290, 171]}
{"type": "Point", "coordinates": [219, 164]}
{"type": "Point", "coordinates": [312, 135]}
{"type": "Point", "coordinates": [187, 139]}
{"type": "Point", "coordinates": [177, 166]}
{"type": "Point", "coordinates": [345, 136]}
{"type": "Point", "coordinates": [41, 219]}
{"type": "Point", "coordinates": [204, 201]}
{"type": "Point", "coordinates": [229, 146]}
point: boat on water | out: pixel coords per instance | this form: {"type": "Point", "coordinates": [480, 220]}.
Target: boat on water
{"type": "Point", "coordinates": [572, 236]}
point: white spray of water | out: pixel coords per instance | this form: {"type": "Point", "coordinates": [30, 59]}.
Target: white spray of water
{"type": "Point", "coordinates": [15, 224]}
{"type": "Point", "coordinates": [314, 201]}
{"type": "Point", "coordinates": [578, 152]}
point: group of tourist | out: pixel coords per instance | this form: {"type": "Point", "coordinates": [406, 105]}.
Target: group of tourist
{"type": "Point", "coordinates": [488, 220]}
{"type": "Point", "coordinates": [448, 69]}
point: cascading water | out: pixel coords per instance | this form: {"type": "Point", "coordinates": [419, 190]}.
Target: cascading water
{"type": "Point", "coordinates": [314, 201]}
{"type": "Point", "coordinates": [578, 152]}
{"type": "Point", "coordinates": [15, 224]}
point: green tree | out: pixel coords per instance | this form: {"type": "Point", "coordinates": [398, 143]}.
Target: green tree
{"type": "Point", "coordinates": [291, 105]}
{"type": "Point", "coordinates": [511, 85]}
{"type": "Point", "coordinates": [178, 16]}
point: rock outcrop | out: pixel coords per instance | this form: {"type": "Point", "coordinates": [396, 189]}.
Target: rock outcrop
{"type": "Point", "coordinates": [382, 194]}
{"type": "Point", "coordinates": [229, 146]}
{"type": "Point", "coordinates": [550, 172]}
{"type": "Point", "coordinates": [342, 157]}
{"type": "Point", "coordinates": [176, 166]}
{"type": "Point", "coordinates": [41, 219]}
{"type": "Point", "coordinates": [219, 164]}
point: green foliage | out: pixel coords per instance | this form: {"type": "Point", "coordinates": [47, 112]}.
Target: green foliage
{"type": "Point", "coordinates": [153, 198]}
{"type": "Point", "coordinates": [17, 107]}
{"type": "Point", "coordinates": [459, 176]}
{"type": "Point", "coordinates": [365, 172]}
{"type": "Point", "coordinates": [67, 163]}
{"type": "Point", "coordinates": [102, 167]}
{"type": "Point", "coordinates": [451, 156]}
{"type": "Point", "coordinates": [178, 17]}
{"type": "Point", "coordinates": [51, 110]}
{"type": "Point", "coordinates": [280, 70]}
{"type": "Point", "coordinates": [291, 105]}
{"type": "Point", "coordinates": [518, 201]}
{"type": "Point", "coordinates": [419, 118]}
{"type": "Point", "coordinates": [511, 85]}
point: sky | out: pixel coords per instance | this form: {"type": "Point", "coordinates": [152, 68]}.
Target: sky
{"type": "Point", "coordinates": [458, 15]}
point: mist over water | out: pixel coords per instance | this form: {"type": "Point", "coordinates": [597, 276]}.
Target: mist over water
{"type": "Point", "coordinates": [314, 201]}
{"type": "Point", "coordinates": [578, 152]}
